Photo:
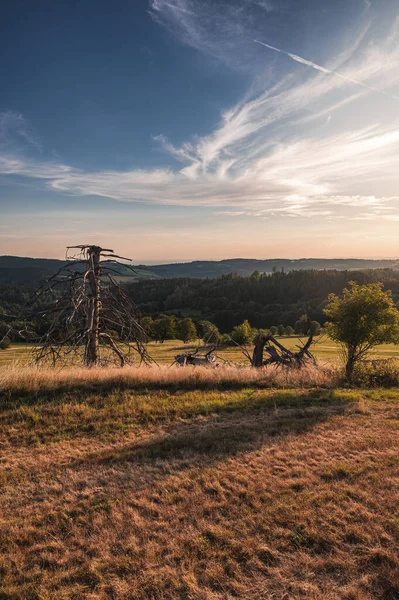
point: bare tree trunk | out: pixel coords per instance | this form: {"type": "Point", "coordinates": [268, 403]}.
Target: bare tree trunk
{"type": "Point", "coordinates": [350, 363]}
{"type": "Point", "coordinates": [93, 278]}
{"type": "Point", "coordinates": [257, 357]}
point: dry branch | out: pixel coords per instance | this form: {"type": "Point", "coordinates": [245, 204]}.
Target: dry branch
{"type": "Point", "coordinates": [279, 354]}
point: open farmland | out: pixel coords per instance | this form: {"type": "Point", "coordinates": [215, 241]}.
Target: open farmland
{"type": "Point", "coordinates": [196, 488]}
{"type": "Point", "coordinates": [324, 349]}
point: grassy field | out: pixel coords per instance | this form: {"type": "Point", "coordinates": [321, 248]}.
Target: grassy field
{"type": "Point", "coordinates": [324, 349]}
{"type": "Point", "coordinates": [137, 486]}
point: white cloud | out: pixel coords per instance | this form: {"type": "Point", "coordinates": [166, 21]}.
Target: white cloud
{"type": "Point", "coordinates": [270, 155]}
{"type": "Point", "coordinates": [217, 29]}
{"type": "Point", "coordinates": [317, 67]}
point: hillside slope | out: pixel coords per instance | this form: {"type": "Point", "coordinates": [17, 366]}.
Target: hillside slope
{"type": "Point", "coordinates": [30, 271]}
{"type": "Point", "coordinates": [27, 271]}
{"type": "Point", "coordinates": [246, 266]}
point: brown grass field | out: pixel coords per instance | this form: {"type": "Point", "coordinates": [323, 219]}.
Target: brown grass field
{"type": "Point", "coordinates": [190, 484]}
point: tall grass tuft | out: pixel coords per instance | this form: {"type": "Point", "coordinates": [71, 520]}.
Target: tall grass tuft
{"type": "Point", "coordinates": [29, 379]}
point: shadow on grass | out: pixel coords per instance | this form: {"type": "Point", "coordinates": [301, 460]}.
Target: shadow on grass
{"type": "Point", "coordinates": [80, 391]}
{"type": "Point", "coordinates": [232, 432]}
{"type": "Point", "coordinates": [102, 416]}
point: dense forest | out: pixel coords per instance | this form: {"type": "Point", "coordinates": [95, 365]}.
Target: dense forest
{"type": "Point", "coordinates": [263, 299]}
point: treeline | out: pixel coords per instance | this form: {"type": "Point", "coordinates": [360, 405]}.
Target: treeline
{"type": "Point", "coordinates": [277, 300]}
{"type": "Point", "coordinates": [169, 327]}
{"type": "Point", "coordinates": [16, 301]}
{"type": "Point", "coordinates": [264, 300]}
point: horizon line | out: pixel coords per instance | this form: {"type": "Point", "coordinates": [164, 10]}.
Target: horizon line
{"type": "Point", "coordinates": [152, 262]}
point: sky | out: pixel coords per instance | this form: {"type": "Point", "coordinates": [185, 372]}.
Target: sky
{"type": "Point", "coordinates": [176, 130]}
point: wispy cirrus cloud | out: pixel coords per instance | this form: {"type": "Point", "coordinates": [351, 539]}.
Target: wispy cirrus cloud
{"type": "Point", "coordinates": [225, 29]}
{"type": "Point", "coordinates": [309, 63]}
{"type": "Point", "coordinates": [306, 145]}
{"type": "Point", "coordinates": [14, 128]}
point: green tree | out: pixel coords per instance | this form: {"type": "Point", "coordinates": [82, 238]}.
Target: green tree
{"type": "Point", "coordinates": [225, 340]}
{"type": "Point", "coordinates": [5, 343]}
{"type": "Point", "coordinates": [4, 327]}
{"type": "Point", "coordinates": [363, 318]}
{"type": "Point", "coordinates": [315, 327]}
{"type": "Point", "coordinates": [280, 329]}
{"type": "Point", "coordinates": [242, 334]}
{"type": "Point", "coordinates": [288, 331]}
{"type": "Point", "coordinates": [164, 328]}
{"type": "Point", "coordinates": [147, 323]}
{"type": "Point", "coordinates": [273, 330]}
{"type": "Point", "coordinates": [185, 330]}
{"type": "Point", "coordinates": [260, 331]}
{"type": "Point", "coordinates": [302, 325]}
{"type": "Point", "coordinates": [209, 332]}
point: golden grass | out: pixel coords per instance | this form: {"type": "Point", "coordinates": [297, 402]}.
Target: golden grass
{"type": "Point", "coordinates": [112, 488]}
{"type": "Point", "coordinates": [30, 379]}
{"type": "Point", "coordinates": [325, 350]}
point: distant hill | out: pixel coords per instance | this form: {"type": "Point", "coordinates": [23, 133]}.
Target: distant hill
{"type": "Point", "coordinates": [29, 271]}
{"type": "Point", "coordinates": [21, 270]}
{"type": "Point", "coordinates": [246, 266]}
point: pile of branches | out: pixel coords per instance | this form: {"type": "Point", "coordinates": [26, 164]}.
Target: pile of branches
{"type": "Point", "coordinates": [204, 355]}
{"type": "Point", "coordinates": [269, 351]}
{"type": "Point", "coordinates": [200, 357]}
{"type": "Point", "coordinates": [277, 354]}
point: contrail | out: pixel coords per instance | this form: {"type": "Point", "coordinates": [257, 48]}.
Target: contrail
{"type": "Point", "coordinates": [309, 63]}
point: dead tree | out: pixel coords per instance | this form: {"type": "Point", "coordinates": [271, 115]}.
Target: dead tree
{"type": "Point", "coordinates": [278, 354]}
{"type": "Point", "coordinates": [93, 274]}
{"type": "Point", "coordinates": [89, 318]}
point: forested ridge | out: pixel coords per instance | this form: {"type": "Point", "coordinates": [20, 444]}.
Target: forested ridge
{"type": "Point", "coordinates": [263, 299]}
{"type": "Point", "coordinates": [29, 271]}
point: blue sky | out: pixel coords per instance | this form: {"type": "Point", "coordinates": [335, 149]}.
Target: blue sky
{"type": "Point", "coordinates": [198, 129]}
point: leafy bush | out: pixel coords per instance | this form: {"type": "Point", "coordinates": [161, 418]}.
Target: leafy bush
{"type": "Point", "coordinates": [5, 343]}
{"type": "Point", "coordinates": [225, 340]}
{"type": "Point", "coordinates": [363, 318]}
{"type": "Point", "coordinates": [209, 332]}
{"type": "Point", "coordinates": [376, 373]}
{"type": "Point", "coordinates": [243, 334]}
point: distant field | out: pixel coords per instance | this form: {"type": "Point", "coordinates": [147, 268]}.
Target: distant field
{"type": "Point", "coordinates": [324, 349]}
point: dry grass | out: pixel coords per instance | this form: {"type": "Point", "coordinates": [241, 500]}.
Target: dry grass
{"type": "Point", "coordinates": [186, 494]}
{"type": "Point", "coordinates": [27, 379]}
{"type": "Point", "coordinates": [324, 349]}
